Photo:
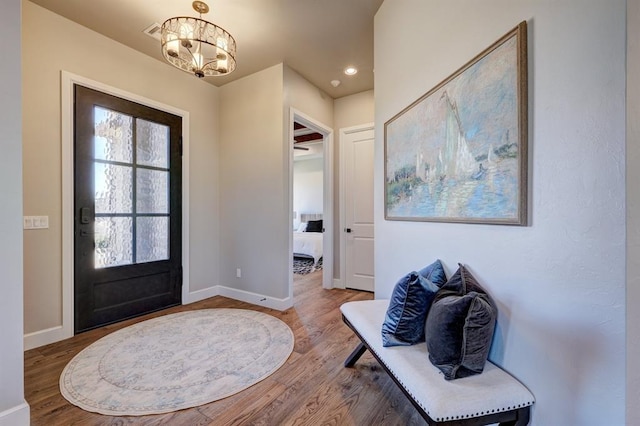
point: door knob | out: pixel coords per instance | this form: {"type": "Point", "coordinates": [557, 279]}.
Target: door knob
{"type": "Point", "coordinates": [347, 230]}
{"type": "Point", "coordinates": [85, 233]}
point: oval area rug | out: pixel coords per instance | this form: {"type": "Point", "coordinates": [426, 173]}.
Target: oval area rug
{"type": "Point", "coordinates": [176, 361]}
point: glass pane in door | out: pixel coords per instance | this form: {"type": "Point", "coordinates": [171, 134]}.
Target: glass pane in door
{"type": "Point", "coordinates": [113, 240]}
{"type": "Point", "coordinates": [152, 243]}
{"type": "Point", "coordinates": [152, 148]}
{"type": "Point", "coordinates": [113, 188]}
{"type": "Point", "coordinates": [113, 132]}
{"type": "Point", "coordinates": [152, 191]}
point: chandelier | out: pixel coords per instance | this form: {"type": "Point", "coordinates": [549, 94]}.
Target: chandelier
{"type": "Point", "coordinates": [197, 46]}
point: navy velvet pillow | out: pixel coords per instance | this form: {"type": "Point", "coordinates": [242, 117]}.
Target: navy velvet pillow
{"type": "Point", "coordinates": [459, 327]}
{"type": "Point", "coordinates": [410, 301]}
{"type": "Point", "coordinates": [462, 282]}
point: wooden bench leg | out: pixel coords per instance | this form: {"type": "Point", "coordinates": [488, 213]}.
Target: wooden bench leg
{"type": "Point", "coordinates": [355, 355]}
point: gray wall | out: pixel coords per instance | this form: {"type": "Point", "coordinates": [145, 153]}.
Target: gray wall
{"type": "Point", "coordinates": [559, 282]}
{"type": "Point", "coordinates": [252, 172]}
{"type": "Point", "coordinates": [633, 212]}
{"type": "Point", "coordinates": [13, 408]}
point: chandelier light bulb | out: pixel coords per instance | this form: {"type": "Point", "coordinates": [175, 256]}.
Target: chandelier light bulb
{"type": "Point", "coordinates": [173, 46]}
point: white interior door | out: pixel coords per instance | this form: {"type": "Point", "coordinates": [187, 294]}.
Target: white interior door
{"type": "Point", "coordinates": [358, 204]}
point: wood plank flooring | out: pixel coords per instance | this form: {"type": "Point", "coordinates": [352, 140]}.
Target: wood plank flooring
{"type": "Point", "coordinates": [312, 388]}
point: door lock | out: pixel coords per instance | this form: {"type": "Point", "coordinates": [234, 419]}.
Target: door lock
{"type": "Point", "coordinates": [347, 230]}
{"type": "Point", "coordinates": [85, 215]}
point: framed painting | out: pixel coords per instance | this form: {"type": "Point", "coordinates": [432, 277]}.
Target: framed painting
{"type": "Point", "coordinates": [459, 153]}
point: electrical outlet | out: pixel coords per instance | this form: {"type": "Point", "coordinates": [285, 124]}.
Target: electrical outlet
{"type": "Point", "coordinates": [238, 273]}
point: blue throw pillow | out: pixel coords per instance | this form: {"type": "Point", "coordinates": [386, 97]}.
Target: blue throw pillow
{"type": "Point", "coordinates": [410, 301]}
{"type": "Point", "coordinates": [459, 327]}
{"type": "Point", "coordinates": [434, 273]}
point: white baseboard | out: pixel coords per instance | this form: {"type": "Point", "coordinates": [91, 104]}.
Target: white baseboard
{"type": "Point", "coordinates": [242, 295]}
{"type": "Point", "coordinates": [16, 416]}
{"type": "Point", "coordinates": [55, 334]}
{"type": "Point", "coordinates": [256, 299]}
{"type": "Point", "coordinates": [45, 337]}
{"type": "Point", "coordinates": [58, 333]}
{"type": "Point", "coordinates": [198, 295]}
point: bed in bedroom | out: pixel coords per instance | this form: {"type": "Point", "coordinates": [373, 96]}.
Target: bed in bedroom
{"type": "Point", "coordinates": [307, 239]}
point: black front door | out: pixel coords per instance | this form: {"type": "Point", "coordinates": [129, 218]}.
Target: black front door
{"type": "Point", "coordinates": [128, 196]}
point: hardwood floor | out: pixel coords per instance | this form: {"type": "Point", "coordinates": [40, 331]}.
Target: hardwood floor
{"type": "Point", "coordinates": [312, 388]}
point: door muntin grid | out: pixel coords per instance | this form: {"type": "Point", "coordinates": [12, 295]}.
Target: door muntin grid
{"type": "Point", "coordinates": [131, 189]}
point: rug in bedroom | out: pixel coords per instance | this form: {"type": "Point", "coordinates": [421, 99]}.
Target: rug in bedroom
{"type": "Point", "coordinates": [304, 266]}
{"type": "Point", "coordinates": [176, 361]}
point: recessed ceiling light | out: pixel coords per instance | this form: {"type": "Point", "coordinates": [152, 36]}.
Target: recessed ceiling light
{"type": "Point", "coordinates": [350, 70]}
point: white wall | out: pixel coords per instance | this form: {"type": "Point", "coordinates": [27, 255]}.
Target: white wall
{"type": "Point", "coordinates": [52, 43]}
{"type": "Point", "coordinates": [354, 110]}
{"type": "Point", "coordinates": [633, 212]}
{"type": "Point", "coordinates": [306, 98]}
{"type": "Point", "coordinates": [307, 187]}
{"type": "Point", "coordinates": [14, 411]}
{"type": "Point", "coordinates": [559, 282]}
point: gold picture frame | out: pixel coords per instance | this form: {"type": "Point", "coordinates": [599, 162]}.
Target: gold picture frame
{"type": "Point", "coordinates": [459, 152]}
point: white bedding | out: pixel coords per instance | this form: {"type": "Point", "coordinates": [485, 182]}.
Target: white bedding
{"type": "Point", "coordinates": [309, 244]}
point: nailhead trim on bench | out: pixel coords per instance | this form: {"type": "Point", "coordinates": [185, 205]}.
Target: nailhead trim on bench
{"type": "Point", "coordinates": [440, 419]}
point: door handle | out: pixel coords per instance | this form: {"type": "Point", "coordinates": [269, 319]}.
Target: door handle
{"type": "Point", "coordinates": [347, 230]}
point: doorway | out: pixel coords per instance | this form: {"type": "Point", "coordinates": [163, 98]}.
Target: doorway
{"type": "Point", "coordinates": [127, 209]}
{"type": "Point", "coordinates": [308, 210]}
{"type": "Point", "coordinates": [326, 147]}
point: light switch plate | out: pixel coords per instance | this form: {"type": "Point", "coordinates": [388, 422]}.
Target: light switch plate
{"type": "Point", "coordinates": [41, 222]}
{"type": "Point", "coordinates": [36, 222]}
{"type": "Point", "coordinates": [28, 222]}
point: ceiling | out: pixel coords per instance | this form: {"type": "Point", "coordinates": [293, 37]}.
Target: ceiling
{"type": "Point", "coordinates": [316, 38]}
{"type": "Point", "coordinates": [302, 134]}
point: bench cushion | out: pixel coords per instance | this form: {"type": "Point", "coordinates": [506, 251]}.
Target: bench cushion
{"type": "Point", "coordinates": [493, 391]}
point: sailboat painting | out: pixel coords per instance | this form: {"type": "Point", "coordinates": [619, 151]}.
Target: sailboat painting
{"type": "Point", "coordinates": [459, 153]}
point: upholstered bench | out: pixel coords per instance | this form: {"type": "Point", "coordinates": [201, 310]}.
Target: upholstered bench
{"type": "Point", "coordinates": [494, 396]}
